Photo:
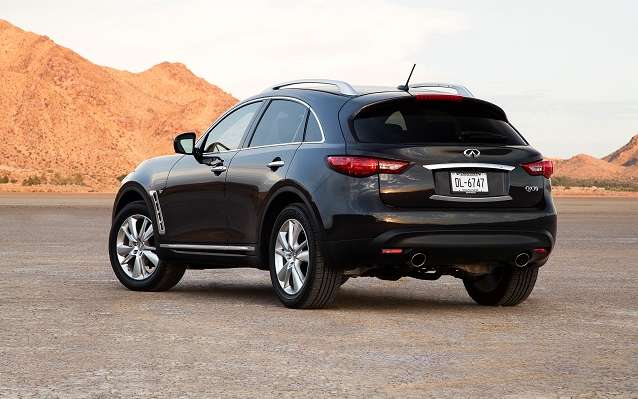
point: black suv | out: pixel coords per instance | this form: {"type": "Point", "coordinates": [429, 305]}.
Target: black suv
{"type": "Point", "coordinates": [318, 181]}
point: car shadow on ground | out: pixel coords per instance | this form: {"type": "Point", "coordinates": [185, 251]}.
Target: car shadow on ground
{"type": "Point", "coordinates": [361, 299]}
{"type": "Point", "coordinates": [347, 298]}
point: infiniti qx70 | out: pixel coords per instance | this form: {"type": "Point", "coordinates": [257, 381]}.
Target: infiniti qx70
{"type": "Point", "coordinates": [317, 181]}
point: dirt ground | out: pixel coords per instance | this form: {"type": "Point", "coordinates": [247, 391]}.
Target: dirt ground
{"type": "Point", "coordinates": [68, 329]}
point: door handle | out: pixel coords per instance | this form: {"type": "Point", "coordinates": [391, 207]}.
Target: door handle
{"type": "Point", "coordinates": [216, 162]}
{"type": "Point", "coordinates": [276, 164]}
{"type": "Point", "coordinates": [218, 169]}
{"type": "Point", "coordinates": [212, 161]}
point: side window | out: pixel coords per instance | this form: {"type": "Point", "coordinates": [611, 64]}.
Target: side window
{"type": "Point", "coordinates": [227, 134]}
{"type": "Point", "coordinates": [313, 132]}
{"type": "Point", "coordinates": [283, 122]}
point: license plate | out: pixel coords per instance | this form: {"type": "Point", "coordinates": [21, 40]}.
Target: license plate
{"type": "Point", "coordinates": [469, 183]}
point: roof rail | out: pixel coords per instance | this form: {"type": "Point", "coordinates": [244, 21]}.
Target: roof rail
{"type": "Point", "coordinates": [343, 87]}
{"type": "Point", "coordinates": [462, 90]}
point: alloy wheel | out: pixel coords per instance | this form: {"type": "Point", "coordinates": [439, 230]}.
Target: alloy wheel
{"type": "Point", "coordinates": [291, 256]}
{"type": "Point", "coordinates": [136, 251]}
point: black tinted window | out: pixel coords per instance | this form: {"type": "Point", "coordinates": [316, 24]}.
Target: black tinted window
{"type": "Point", "coordinates": [227, 134]}
{"type": "Point", "coordinates": [282, 122]}
{"type": "Point", "coordinates": [313, 132]}
{"type": "Point", "coordinates": [434, 122]}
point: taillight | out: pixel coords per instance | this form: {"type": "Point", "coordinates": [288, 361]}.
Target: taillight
{"type": "Point", "coordinates": [365, 166]}
{"type": "Point", "coordinates": [544, 167]}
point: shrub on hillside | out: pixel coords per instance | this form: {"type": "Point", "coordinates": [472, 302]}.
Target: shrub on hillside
{"type": "Point", "coordinates": [4, 179]}
{"type": "Point", "coordinates": [73, 180]}
{"type": "Point", "coordinates": [34, 180]}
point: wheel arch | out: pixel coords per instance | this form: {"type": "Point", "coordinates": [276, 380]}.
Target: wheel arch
{"type": "Point", "coordinates": [281, 197]}
{"type": "Point", "coordinates": [131, 192]}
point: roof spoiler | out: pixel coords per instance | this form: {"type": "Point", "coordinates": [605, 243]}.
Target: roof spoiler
{"type": "Point", "coordinates": [461, 90]}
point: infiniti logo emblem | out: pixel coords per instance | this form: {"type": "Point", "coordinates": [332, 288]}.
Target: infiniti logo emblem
{"type": "Point", "coordinates": [472, 153]}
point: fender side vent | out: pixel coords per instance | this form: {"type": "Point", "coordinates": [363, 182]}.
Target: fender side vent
{"type": "Point", "coordinates": [158, 212]}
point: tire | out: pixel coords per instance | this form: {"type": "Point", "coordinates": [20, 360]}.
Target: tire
{"type": "Point", "coordinates": [320, 281]}
{"type": "Point", "coordinates": [505, 286]}
{"type": "Point", "coordinates": [148, 276]}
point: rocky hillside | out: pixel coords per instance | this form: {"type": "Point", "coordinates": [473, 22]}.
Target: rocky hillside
{"type": "Point", "coordinates": [67, 124]}
{"type": "Point", "coordinates": [627, 155]}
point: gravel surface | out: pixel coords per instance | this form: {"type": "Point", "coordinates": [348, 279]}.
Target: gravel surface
{"type": "Point", "coordinates": [68, 329]}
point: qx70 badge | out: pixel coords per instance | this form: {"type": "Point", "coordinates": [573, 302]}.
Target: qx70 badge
{"type": "Point", "coordinates": [472, 153]}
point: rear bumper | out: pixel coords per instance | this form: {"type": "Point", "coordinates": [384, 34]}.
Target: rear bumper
{"type": "Point", "coordinates": [476, 237]}
{"type": "Point", "coordinates": [442, 248]}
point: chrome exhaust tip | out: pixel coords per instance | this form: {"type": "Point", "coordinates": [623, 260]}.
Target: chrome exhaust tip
{"type": "Point", "coordinates": [418, 259]}
{"type": "Point", "coordinates": [522, 259]}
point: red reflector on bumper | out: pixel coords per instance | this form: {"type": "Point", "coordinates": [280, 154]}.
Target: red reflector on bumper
{"type": "Point", "coordinates": [390, 251]}
{"type": "Point", "coordinates": [540, 251]}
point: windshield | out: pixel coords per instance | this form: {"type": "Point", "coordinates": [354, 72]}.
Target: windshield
{"type": "Point", "coordinates": [435, 122]}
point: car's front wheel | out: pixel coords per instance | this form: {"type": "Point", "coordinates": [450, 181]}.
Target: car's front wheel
{"type": "Point", "coordinates": [133, 252]}
{"type": "Point", "coordinates": [505, 286]}
{"type": "Point", "coordinates": [298, 271]}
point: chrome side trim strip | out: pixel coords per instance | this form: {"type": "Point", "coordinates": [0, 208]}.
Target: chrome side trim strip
{"type": "Point", "coordinates": [158, 212]}
{"type": "Point", "coordinates": [271, 145]}
{"type": "Point", "coordinates": [470, 199]}
{"type": "Point", "coordinates": [469, 165]}
{"type": "Point", "coordinates": [208, 247]}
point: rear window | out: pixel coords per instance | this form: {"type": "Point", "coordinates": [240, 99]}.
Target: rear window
{"type": "Point", "coordinates": [435, 122]}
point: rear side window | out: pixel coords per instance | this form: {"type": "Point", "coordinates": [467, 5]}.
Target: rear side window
{"type": "Point", "coordinates": [434, 122]}
{"type": "Point", "coordinates": [283, 122]}
{"type": "Point", "coordinates": [313, 131]}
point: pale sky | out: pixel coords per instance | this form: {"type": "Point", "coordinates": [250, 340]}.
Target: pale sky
{"type": "Point", "coordinates": [566, 72]}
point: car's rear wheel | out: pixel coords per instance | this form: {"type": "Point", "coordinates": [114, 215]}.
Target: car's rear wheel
{"type": "Point", "coordinates": [505, 286]}
{"type": "Point", "coordinates": [299, 274]}
{"type": "Point", "coordinates": [133, 252]}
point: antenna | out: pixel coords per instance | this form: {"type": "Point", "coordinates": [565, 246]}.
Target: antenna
{"type": "Point", "coordinates": [406, 87]}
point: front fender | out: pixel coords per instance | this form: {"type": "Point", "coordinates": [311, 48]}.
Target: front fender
{"type": "Point", "coordinates": [149, 175]}
{"type": "Point", "coordinates": [153, 173]}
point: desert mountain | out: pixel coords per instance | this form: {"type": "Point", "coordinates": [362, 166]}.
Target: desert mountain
{"type": "Point", "coordinates": [627, 155]}
{"type": "Point", "coordinates": [584, 166]}
{"type": "Point", "coordinates": [621, 165]}
{"type": "Point", "coordinates": [61, 114]}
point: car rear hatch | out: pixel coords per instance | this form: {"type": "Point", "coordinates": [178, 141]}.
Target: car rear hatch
{"type": "Point", "coordinates": [463, 153]}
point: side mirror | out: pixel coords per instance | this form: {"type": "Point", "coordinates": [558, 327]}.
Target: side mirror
{"type": "Point", "coordinates": [184, 143]}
